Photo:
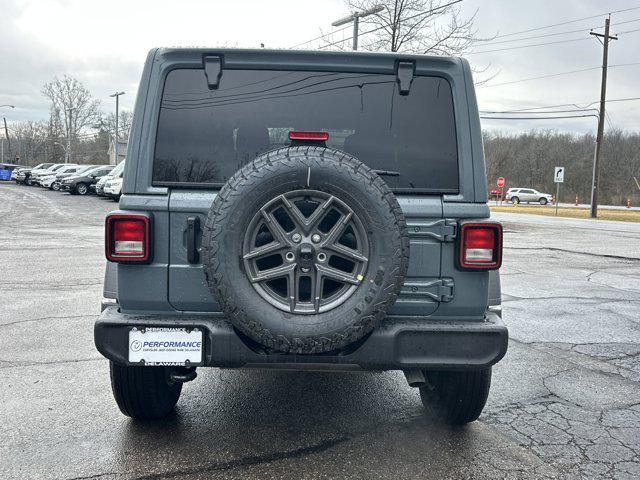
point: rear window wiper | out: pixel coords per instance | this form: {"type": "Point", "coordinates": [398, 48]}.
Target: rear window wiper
{"type": "Point", "coordinates": [387, 173]}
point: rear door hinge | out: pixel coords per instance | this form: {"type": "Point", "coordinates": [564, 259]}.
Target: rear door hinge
{"type": "Point", "coordinates": [213, 70]}
{"type": "Point", "coordinates": [404, 76]}
{"type": "Point", "coordinates": [444, 230]}
{"type": "Point", "coordinates": [438, 290]}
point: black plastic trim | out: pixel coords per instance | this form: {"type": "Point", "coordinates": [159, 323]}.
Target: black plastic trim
{"type": "Point", "coordinates": [400, 343]}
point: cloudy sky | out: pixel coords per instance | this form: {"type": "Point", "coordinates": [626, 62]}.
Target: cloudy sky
{"type": "Point", "coordinates": [103, 44]}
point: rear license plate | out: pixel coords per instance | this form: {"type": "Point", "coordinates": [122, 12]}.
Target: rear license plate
{"type": "Point", "coordinates": [165, 346]}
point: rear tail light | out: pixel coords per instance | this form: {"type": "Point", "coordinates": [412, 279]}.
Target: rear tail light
{"type": "Point", "coordinates": [309, 136]}
{"type": "Point", "coordinates": [480, 246]}
{"type": "Point", "coordinates": [127, 238]}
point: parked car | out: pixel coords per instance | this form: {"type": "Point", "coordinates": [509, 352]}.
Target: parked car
{"type": "Point", "coordinates": [79, 184]}
{"type": "Point", "coordinates": [98, 187]}
{"type": "Point", "coordinates": [113, 188]}
{"type": "Point", "coordinates": [494, 194]}
{"type": "Point", "coordinates": [36, 175]}
{"type": "Point", "coordinates": [24, 175]}
{"type": "Point", "coordinates": [243, 247]}
{"type": "Point", "coordinates": [527, 195]}
{"type": "Point", "coordinates": [53, 181]}
{"type": "Point", "coordinates": [14, 172]}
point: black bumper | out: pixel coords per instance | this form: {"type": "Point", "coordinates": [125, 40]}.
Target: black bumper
{"type": "Point", "coordinates": [401, 343]}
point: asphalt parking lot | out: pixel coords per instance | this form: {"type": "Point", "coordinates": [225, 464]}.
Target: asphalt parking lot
{"type": "Point", "coordinates": [565, 401]}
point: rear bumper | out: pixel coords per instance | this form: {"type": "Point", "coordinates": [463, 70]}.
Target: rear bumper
{"type": "Point", "coordinates": [401, 343]}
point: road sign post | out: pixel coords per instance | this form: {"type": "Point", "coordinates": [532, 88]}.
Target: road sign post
{"type": "Point", "coordinates": [500, 184]}
{"type": "Point", "coordinates": [558, 177]}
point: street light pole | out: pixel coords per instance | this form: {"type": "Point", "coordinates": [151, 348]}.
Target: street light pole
{"type": "Point", "coordinates": [115, 135]}
{"type": "Point", "coordinates": [355, 18]}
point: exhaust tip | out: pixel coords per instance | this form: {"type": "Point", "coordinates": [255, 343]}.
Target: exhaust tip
{"type": "Point", "coordinates": [415, 378]}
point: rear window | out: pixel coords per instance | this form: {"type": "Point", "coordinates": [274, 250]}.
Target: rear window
{"type": "Point", "coordinates": [204, 136]}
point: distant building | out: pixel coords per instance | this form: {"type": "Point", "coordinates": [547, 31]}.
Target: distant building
{"type": "Point", "coordinates": [122, 151]}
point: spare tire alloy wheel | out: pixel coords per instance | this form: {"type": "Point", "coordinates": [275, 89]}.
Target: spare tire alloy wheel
{"type": "Point", "coordinates": [305, 249]}
{"type": "Point", "coordinates": [312, 263]}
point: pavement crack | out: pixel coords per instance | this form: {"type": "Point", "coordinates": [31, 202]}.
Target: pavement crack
{"type": "Point", "coordinates": [249, 460]}
{"type": "Point", "coordinates": [20, 364]}
{"type": "Point", "coordinates": [39, 319]}
{"type": "Point", "coordinates": [555, 249]}
{"type": "Point", "coordinates": [513, 298]}
{"type": "Point", "coordinates": [97, 475]}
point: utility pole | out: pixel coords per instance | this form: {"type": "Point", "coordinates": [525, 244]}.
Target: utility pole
{"type": "Point", "coordinates": [355, 18]}
{"type": "Point", "coordinates": [115, 135]}
{"type": "Point", "coordinates": [603, 95]}
{"type": "Point", "coordinates": [67, 157]}
{"type": "Point", "coordinates": [6, 135]}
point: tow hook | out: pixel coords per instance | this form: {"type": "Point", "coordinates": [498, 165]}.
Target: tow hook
{"type": "Point", "coordinates": [182, 375]}
{"type": "Point", "coordinates": [415, 378]}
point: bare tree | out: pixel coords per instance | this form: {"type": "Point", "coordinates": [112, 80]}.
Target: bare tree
{"type": "Point", "coordinates": [107, 123]}
{"type": "Point", "coordinates": [434, 27]}
{"type": "Point", "coordinates": [72, 102]}
{"type": "Point", "coordinates": [31, 141]}
{"type": "Point", "coordinates": [527, 159]}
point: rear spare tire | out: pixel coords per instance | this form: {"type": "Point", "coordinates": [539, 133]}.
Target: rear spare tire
{"type": "Point", "coordinates": [305, 249]}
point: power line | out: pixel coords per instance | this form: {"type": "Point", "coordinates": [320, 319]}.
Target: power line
{"type": "Point", "coordinates": [541, 112]}
{"type": "Point", "coordinates": [538, 118]}
{"type": "Point", "coordinates": [629, 31]}
{"type": "Point", "coordinates": [320, 37]}
{"type": "Point", "coordinates": [556, 75]}
{"type": "Point", "coordinates": [539, 44]}
{"type": "Point", "coordinates": [527, 46]}
{"type": "Point", "coordinates": [530, 109]}
{"type": "Point", "coordinates": [490, 43]}
{"type": "Point", "coordinates": [539, 77]}
{"type": "Point", "coordinates": [566, 22]}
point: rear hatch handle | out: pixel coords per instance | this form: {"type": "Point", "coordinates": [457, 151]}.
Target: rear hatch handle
{"type": "Point", "coordinates": [193, 225]}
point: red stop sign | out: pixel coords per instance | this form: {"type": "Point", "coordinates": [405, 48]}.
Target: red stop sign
{"type": "Point", "coordinates": [501, 182]}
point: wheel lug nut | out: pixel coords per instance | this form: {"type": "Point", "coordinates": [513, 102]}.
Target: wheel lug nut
{"type": "Point", "coordinates": [290, 256]}
{"type": "Point", "coordinates": [315, 238]}
{"type": "Point", "coordinates": [296, 237]}
{"type": "Point", "coordinates": [306, 270]}
{"type": "Point", "coordinates": [322, 257]}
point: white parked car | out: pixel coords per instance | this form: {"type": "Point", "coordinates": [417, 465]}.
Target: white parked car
{"type": "Point", "coordinates": [98, 187]}
{"type": "Point", "coordinates": [527, 195]}
{"type": "Point", "coordinates": [52, 181]}
{"type": "Point", "coordinates": [37, 175]}
{"type": "Point", "coordinates": [113, 188]}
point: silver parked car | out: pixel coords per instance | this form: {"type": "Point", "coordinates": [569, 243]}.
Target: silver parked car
{"type": "Point", "coordinates": [527, 195]}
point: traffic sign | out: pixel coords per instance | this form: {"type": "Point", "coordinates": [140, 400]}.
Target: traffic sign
{"type": "Point", "coordinates": [558, 175]}
{"type": "Point", "coordinates": [501, 182]}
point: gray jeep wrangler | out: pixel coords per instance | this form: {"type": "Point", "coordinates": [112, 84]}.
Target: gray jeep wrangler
{"type": "Point", "coordinates": [305, 210]}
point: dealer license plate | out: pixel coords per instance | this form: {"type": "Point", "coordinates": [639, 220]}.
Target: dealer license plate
{"type": "Point", "coordinates": [165, 346]}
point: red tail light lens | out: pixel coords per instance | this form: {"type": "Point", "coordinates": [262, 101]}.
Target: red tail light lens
{"type": "Point", "coordinates": [319, 136]}
{"type": "Point", "coordinates": [127, 238]}
{"type": "Point", "coordinates": [480, 246]}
